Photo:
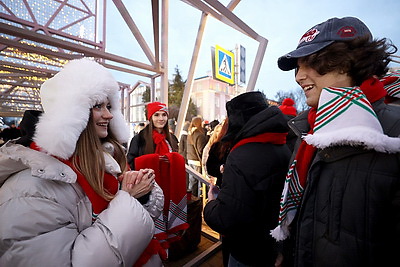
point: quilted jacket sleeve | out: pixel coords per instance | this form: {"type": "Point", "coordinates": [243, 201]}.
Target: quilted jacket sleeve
{"type": "Point", "coordinates": [48, 223]}
{"type": "Point", "coordinates": [155, 204]}
{"type": "Point", "coordinates": [111, 241]}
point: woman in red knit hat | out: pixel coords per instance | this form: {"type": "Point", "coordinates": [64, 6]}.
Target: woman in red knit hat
{"type": "Point", "coordinates": [157, 148]}
{"type": "Point", "coordinates": [146, 142]}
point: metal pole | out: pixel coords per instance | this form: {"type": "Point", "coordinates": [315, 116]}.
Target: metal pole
{"type": "Point", "coordinates": [257, 63]}
{"type": "Point", "coordinates": [189, 81]}
{"type": "Point", "coordinates": [164, 53]}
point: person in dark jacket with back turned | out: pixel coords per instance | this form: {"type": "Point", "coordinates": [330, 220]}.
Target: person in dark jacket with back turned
{"type": "Point", "coordinates": [252, 181]}
{"type": "Point", "coordinates": [341, 201]}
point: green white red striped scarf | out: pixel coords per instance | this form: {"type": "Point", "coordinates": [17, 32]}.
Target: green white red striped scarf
{"type": "Point", "coordinates": [295, 183]}
{"type": "Point", "coordinates": [391, 83]}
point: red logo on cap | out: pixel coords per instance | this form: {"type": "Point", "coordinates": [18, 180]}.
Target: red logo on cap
{"type": "Point", "coordinates": [347, 31]}
{"type": "Point", "coordinates": [309, 36]}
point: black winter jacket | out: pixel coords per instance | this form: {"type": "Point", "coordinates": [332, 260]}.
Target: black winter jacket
{"type": "Point", "coordinates": [350, 211]}
{"type": "Point", "coordinates": [247, 206]}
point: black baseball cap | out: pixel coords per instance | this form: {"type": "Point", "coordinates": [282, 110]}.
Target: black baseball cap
{"type": "Point", "coordinates": [322, 35]}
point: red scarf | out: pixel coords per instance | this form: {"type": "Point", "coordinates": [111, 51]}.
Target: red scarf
{"type": "Point", "coordinates": [171, 177]}
{"type": "Point", "coordinates": [162, 147]}
{"type": "Point", "coordinates": [373, 89]}
{"type": "Point", "coordinates": [110, 184]}
{"type": "Point", "coordinates": [99, 204]}
{"type": "Point", "coordinates": [274, 138]}
{"type": "Point", "coordinates": [306, 152]}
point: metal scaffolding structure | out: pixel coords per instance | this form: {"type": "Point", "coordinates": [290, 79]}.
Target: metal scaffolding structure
{"type": "Point", "coordinates": [38, 37]}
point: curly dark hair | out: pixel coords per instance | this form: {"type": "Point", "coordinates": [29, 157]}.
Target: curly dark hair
{"type": "Point", "coordinates": [360, 58]}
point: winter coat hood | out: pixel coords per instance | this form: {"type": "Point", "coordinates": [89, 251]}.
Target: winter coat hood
{"type": "Point", "coordinates": [15, 158]}
{"type": "Point", "coordinates": [241, 109]}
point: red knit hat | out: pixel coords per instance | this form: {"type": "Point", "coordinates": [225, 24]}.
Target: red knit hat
{"type": "Point", "coordinates": [154, 107]}
{"type": "Point", "coordinates": [287, 107]}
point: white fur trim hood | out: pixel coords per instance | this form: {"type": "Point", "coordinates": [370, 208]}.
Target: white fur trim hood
{"type": "Point", "coordinates": [67, 99]}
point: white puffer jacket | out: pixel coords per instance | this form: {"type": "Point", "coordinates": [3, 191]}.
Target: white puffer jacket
{"type": "Point", "coordinates": [46, 216]}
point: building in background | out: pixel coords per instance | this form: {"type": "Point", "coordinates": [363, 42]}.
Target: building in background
{"type": "Point", "coordinates": [136, 108]}
{"type": "Point", "coordinates": [136, 105]}
{"type": "Point", "coordinates": [210, 96]}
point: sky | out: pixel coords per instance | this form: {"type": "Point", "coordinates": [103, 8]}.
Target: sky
{"type": "Point", "coordinates": [282, 23]}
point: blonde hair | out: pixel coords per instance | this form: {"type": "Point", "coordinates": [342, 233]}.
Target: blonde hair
{"type": "Point", "coordinates": [195, 125]}
{"type": "Point", "coordinates": [215, 137]}
{"type": "Point", "coordinates": [88, 158]}
{"type": "Point", "coordinates": [196, 122]}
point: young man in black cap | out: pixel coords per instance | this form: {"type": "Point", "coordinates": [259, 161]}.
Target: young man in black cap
{"type": "Point", "coordinates": [341, 202]}
{"type": "Point", "coordinates": [247, 205]}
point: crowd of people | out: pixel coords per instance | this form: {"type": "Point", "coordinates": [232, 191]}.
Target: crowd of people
{"type": "Point", "coordinates": [315, 188]}
{"type": "Point", "coordinates": [9, 133]}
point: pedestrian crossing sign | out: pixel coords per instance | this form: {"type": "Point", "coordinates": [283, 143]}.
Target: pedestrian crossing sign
{"type": "Point", "coordinates": [224, 65]}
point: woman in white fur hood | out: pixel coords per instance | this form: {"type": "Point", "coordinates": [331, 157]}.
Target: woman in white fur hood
{"type": "Point", "coordinates": [68, 199]}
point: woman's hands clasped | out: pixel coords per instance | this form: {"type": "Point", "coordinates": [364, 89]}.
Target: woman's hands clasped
{"type": "Point", "coordinates": [138, 183]}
